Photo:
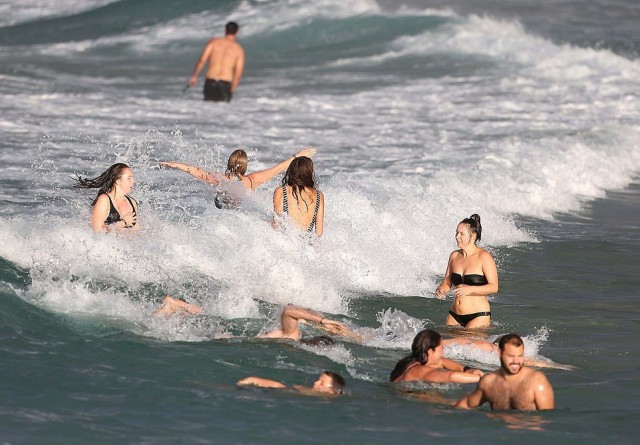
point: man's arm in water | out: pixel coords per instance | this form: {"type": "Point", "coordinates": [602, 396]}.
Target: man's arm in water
{"type": "Point", "coordinates": [260, 382]}
{"type": "Point", "coordinates": [473, 400]}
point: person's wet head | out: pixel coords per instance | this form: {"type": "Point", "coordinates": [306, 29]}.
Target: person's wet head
{"type": "Point", "coordinates": [231, 28]}
{"type": "Point", "coordinates": [299, 175]}
{"type": "Point", "coordinates": [330, 382]}
{"type": "Point", "coordinates": [472, 226]}
{"type": "Point", "coordinates": [107, 181]}
{"type": "Point", "coordinates": [237, 163]}
{"type": "Point", "coordinates": [320, 340]}
{"type": "Point", "coordinates": [511, 353]}
{"type": "Point", "coordinates": [425, 343]}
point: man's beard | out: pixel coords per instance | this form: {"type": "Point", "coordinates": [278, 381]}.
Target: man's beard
{"type": "Point", "coordinates": [506, 368]}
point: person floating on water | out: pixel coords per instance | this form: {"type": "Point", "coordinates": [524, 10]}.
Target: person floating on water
{"type": "Point", "coordinates": [513, 385]}
{"type": "Point", "coordinates": [472, 270]}
{"type": "Point", "coordinates": [113, 209]}
{"type": "Point", "coordinates": [298, 198]}
{"type": "Point", "coordinates": [290, 321]}
{"type": "Point", "coordinates": [236, 171]}
{"type": "Point", "coordinates": [427, 363]}
{"type": "Point", "coordinates": [328, 384]}
{"type": "Point", "coordinates": [226, 63]}
{"type": "Point", "coordinates": [292, 316]}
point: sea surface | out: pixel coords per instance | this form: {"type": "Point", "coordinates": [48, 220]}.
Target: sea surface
{"type": "Point", "coordinates": [423, 112]}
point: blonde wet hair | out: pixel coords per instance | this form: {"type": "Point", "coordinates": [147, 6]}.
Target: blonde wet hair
{"type": "Point", "coordinates": [237, 163]}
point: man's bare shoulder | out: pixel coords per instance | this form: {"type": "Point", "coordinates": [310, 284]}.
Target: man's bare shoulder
{"type": "Point", "coordinates": [536, 376]}
{"type": "Point", "coordinates": [488, 380]}
{"type": "Point", "coordinates": [216, 41]}
{"type": "Point", "coordinates": [236, 49]}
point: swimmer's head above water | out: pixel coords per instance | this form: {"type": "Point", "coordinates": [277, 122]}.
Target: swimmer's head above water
{"type": "Point", "coordinates": [237, 163]}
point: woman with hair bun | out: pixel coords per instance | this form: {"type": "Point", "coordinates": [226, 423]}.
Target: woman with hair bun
{"type": "Point", "coordinates": [473, 272]}
{"type": "Point", "coordinates": [236, 170]}
{"type": "Point", "coordinates": [298, 197]}
{"type": "Point", "coordinates": [113, 208]}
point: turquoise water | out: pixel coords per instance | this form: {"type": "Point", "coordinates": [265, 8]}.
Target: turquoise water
{"type": "Point", "coordinates": [422, 115]}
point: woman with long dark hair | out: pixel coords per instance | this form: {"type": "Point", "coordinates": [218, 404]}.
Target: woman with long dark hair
{"type": "Point", "coordinates": [473, 272]}
{"type": "Point", "coordinates": [426, 363]}
{"type": "Point", "coordinates": [298, 197]}
{"type": "Point", "coordinates": [113, 208]}
{"type": "Point", "coordinates": [236, 171]}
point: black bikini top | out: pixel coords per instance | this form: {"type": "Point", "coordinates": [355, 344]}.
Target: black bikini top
{"type": "Point", "coordinates": [114, 216]}
{"type": "Point", "coordinates": [469, 280]}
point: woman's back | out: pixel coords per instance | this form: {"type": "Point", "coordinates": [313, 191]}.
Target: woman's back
{"type": "Point", "coordinates": [304, 209]}
{"type": "Point", "coordinates": [298, 197]}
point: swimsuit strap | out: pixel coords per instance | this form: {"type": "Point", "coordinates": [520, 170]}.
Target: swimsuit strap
{"type": "Point", "coordinates": [133, 208]}
{"type": "Point", "coordinates": [315, 213]}
{"type": "Point", "coordinates": [250, 181]}
{"type": "Point", "coordinates": [285, 201]}
{"type": "Point", "coordinates": [131, 204]}
{"type": "Point", "coordinates": [114, 215]}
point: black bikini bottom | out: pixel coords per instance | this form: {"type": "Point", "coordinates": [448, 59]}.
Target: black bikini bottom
{"type": "Point", "coordinates": [465, 319]}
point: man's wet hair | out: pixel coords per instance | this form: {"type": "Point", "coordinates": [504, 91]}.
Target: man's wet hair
{"type": "Point", "coordinates": [231, 28]}
{"type": "Point", "coordinates": [511, 339]}
{"type": "Point", "coordinates": [337, 381]}
{"type": "Point", "coordinates": [320, 340]}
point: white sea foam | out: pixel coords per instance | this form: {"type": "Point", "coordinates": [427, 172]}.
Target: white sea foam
{"type": "Point", "coordinates": [21, 11]}
{"type": "Point", "coordinates": [543, 129]}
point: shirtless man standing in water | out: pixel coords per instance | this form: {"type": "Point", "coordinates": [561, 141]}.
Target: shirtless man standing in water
{"type": "Point", "coordinates": [226, 62]}
{"type": "Point", "coordinates": [514, 385]}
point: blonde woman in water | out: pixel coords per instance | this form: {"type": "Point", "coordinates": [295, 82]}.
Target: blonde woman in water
{"type": "Point", "coordinates": [473, 272]}
{"type": "Point", "coordinates": [236, 172]}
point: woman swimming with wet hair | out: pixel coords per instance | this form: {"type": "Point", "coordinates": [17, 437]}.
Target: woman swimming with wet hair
{"type": "Point", "coordinates": [113, 208]}
{"type": "Point", "coordinates": [298, 197]}
{"type": "Point", "coordinates": [236, 170]}
{"type": "Point", "coordinates": [426, 363]}
{"type": "Point", "coordinates": [472, 270]}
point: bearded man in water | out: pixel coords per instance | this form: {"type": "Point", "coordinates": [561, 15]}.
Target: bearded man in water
{"type": "Point", "coordinates": [514, 385]}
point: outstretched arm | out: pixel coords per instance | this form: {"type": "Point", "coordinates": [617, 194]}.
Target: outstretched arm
{"type": "Point", "coordinates": [196, 172]}
{"type": "Point", "coordinates": [260, 382]}
{"type": "Point", "coordinates": [460, 373]}
{"type": "Point", "coordinates": [294, 314]}
{"type": "Point", "coordinates": [262, 176]}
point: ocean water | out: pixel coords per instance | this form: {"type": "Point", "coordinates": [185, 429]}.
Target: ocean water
{"type": "Point", "coordinates": [423, 112]}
